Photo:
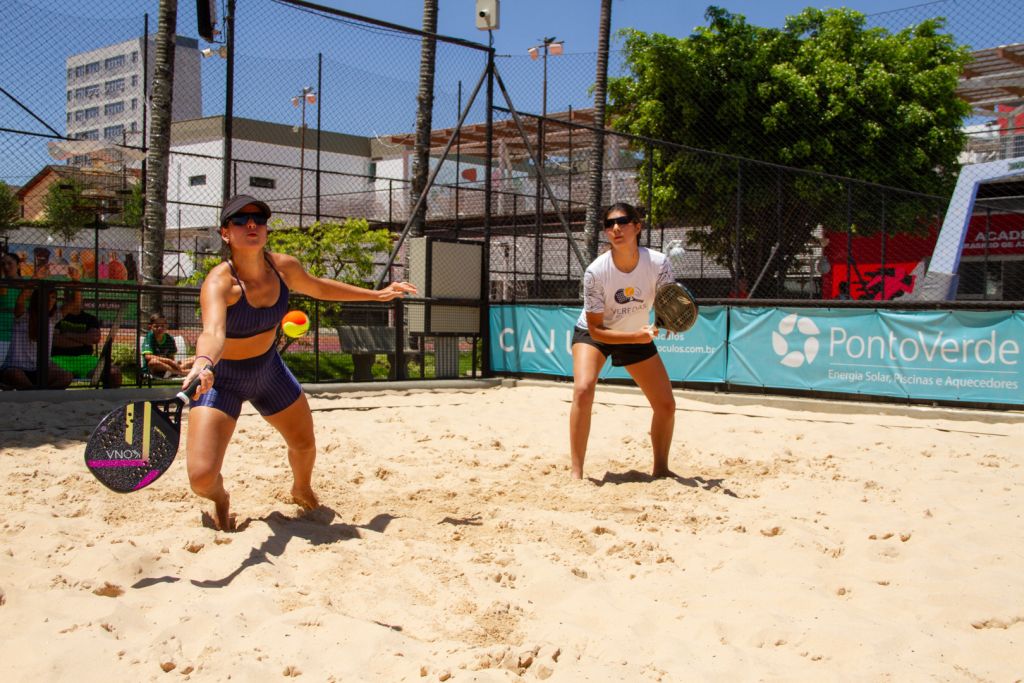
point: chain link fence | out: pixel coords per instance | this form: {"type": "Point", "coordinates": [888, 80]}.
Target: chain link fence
{"type": "Point", "coordinates": [320, 122]}
{"type": "Point", "coordinates": [819, 201]}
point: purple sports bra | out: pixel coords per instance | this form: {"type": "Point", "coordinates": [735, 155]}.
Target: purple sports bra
{"type": "Point", "coordinates": [245, 320]}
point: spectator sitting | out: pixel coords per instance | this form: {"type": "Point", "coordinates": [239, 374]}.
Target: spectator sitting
{"type": "Point", "coordinates": [159, 351]}
{"type": "Point", "coordinates": [20, 367]}
{"type": "Point", "coordinates": [8, 296]}
{"type": "Point", "coordinates": [74, 343]}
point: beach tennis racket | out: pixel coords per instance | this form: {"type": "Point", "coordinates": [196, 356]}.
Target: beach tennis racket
{"type": "Point", "coordinates": [133, 445]}
{"type": "Point", "coordinates": [675, 309]}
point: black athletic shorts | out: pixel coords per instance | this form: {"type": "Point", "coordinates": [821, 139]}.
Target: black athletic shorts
{"type": "Point", "coordinates": [622, 354]}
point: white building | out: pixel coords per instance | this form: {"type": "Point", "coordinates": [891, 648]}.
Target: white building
{"type": "Point", "coordinates": [266, 162]}
{"type": "Point", "coordinates": [106, 89]}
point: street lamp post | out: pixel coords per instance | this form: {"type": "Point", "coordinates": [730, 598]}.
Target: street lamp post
{"type": "Point", "coordinates": [307, 96]}
{"type": "Point", "coordinates": [553, 46]}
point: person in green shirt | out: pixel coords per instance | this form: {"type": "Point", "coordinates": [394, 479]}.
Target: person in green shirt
{"type": "Point", "coordinates": [159, 351]}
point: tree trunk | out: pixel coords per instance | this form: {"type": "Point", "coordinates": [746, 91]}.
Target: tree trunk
{"type": "Point", "coordinates": [424, 115]}
{"type": "Point", "coordinates": [592, 224]}
{"type": "Point", "coordinates": [157, 157]}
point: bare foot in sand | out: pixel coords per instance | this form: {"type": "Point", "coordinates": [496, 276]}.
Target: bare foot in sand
{"type": "Point", "coordinates": [305, 498]}
{"type": "Point", "coordinates": [662, 473]}
{"type": "Point", "coordinates": [222, 517]}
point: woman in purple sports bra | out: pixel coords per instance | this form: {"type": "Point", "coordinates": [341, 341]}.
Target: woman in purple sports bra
{"type": "Point", "coordinates": [242, 302]}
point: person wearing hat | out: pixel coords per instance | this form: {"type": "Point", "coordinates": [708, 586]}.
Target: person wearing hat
{"type": "Point", "coordinates": [242, 301]}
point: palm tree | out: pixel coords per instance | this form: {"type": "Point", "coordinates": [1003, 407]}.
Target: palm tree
{"type": "Point", "coordinates": [424, 114]}
{"type": "Point", "coordinates": [157, 156]}
{"type": "Point", "coordinates": [591, 226]}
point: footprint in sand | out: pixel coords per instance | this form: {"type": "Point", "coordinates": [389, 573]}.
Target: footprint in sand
{"type": "Point", "coordinates": [997, 623]}
{"type": "Point", "coordinates": [109, 590]}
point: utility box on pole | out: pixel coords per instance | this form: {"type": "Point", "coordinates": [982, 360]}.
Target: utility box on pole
{"type": "Point", "coordinates": [487, 12]}
{"type": "Point", "coordinates": [445, 269]}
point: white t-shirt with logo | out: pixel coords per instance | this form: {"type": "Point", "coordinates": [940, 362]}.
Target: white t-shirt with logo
{"type": "Point", "coordinates": [625, 299]}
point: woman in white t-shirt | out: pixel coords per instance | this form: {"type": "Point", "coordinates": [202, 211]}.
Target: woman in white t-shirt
{"type": "Point", "coordinates": [618, 293]}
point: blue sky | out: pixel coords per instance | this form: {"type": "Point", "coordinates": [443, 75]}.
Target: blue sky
{"type": "Point", "coordinates": [370, 77]}
{"type": "Point", "coordinates": [576, 21]}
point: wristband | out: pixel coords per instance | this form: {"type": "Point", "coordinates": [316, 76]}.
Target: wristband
{"type": "Point", "coordinates": [207, 358]}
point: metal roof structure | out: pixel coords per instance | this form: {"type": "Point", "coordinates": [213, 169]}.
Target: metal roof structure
{"type": "Point", "coordinates": [996, 76]}
{"type": "Point", "coordinates": [558, 139]}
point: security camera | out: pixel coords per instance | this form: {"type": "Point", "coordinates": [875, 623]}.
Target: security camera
{"type": "Point", "coordinates": [487, 13]}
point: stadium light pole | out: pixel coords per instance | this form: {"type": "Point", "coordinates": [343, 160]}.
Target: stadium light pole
{"type": "Point", "coordinates": [553, 46]}
{"type": "Point", "coordinates": [307, 96]}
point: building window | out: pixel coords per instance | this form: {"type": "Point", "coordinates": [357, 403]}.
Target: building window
{"type": "Point", "coordinates": [197, 180]}
{"type": "Point", "coordinates": [87, 93]}
{"type": "Point", "coordinates": [114, 87]}
{"type": "Point", "coordinates": [113, 132]}
{"type": "Point", "coordinates": [135, 127]}
{"type": "Point", "coordinates": [113, 108]}
{"type": "Point", "coordinates": [265, 183]}
{"type": "Point", "coordinates": [89, 135]}
{"type": "Point", "coordinates": [89, 69]}
{"type": "Point", "coordinates": [135, 103]}
{"type": "Point", "coordinates": [69, 118]}
{"type": "Point", "coordinates": [86, 114]}
{"type": "Point", "coordinates": [135, 56]}
{"type": "Point", "coordinates": [69, 95]}
{"type": "Point", "coordinates": [69, 74]}
{"type": "Point", "coordinates": [113, 62]}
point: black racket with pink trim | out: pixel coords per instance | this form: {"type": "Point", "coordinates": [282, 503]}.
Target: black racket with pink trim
{"type": "Point", "coordinates": [133, 445]}
{"type": "Point", "coordinates": [675, 309]}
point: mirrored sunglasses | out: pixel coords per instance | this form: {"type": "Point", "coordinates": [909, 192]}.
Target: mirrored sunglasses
{"type": "Point", "coordinates": [242, 219]}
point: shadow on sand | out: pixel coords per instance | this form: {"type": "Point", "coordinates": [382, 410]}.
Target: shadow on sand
{"type": "Point", "coordinates": [315, 526]}
{"type": "Point", "coordinates": [637, 477]}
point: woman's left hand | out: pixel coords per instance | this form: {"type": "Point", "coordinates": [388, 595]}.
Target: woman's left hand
{"type": "Point", "coordinates": [396, 290]}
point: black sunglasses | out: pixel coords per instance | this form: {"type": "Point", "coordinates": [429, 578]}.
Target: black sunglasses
{"type": "Point", "coordinates": [241, 219]}
{"type": "Point", "coordinates": [619, 220]}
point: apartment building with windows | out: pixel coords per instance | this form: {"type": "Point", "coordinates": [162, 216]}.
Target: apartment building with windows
{"type": "Point", "coordinates": [107, 87]}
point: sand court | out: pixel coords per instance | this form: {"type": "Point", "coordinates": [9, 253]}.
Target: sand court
{"type": "Point", "coordinates": [799, 540]}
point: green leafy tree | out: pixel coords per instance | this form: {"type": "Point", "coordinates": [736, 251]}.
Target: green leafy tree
{"type": "Point", "coordinates": [340, 251]}
{"type": "Point", "coordinates": [66, 209]}
{"type": "Point", "coordinates": [9, 212]}
{"type": "Point", "coordinates": [823, 93]}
